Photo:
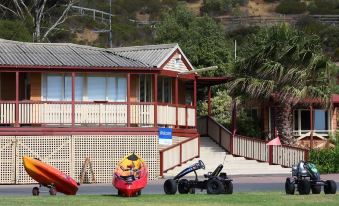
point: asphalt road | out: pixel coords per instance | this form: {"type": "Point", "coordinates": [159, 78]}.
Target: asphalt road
{"type": "Point", "coordinates": [241, 184]}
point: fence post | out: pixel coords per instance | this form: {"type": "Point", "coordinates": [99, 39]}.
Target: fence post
{"type": "Point", "coordinates": [161, 163]}
{"type": "Point", "coordinates": [180, 156]}
{"type": "Point", "coordinates": [270, 154]}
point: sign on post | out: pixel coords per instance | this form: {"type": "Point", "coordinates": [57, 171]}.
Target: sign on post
{"type": "Point", "coordinates": [165, 136]}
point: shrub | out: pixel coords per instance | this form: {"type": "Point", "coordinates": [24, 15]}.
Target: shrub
{"type": "Point", "coordinates": [324, 7]}
{"type": "Point", "coordinates": [15, 30]}
{"type": "Point", "coordinates": [291, 7]}
{"type": "Point", "coordinates": [336, 54]}
{"type": "Point", "coordinates": [326, 160]}
{"type": "Point", "coordinates": [219, 7]}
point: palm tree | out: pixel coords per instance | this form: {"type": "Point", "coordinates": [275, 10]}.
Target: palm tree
{"type": "Point", "coordinates": [286, 66]}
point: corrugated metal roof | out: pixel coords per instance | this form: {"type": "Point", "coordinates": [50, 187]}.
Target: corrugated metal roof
{"type": "Point", "coordinates": [56, 54]}
{"type": "Point", "coordinates": [152, 55]}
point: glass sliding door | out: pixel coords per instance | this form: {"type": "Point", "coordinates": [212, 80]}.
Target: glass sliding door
{"type": "Point", "coordinates": [145, 88]}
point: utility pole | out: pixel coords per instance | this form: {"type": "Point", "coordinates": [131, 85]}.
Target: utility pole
{"type": "Point", "coordinates": [110, 24]}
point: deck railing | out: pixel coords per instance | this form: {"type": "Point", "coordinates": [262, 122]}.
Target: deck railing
{"type": "Point", "coordinates": [250, 147]}
{"type": "Point", "coordinates": [178, 154]}
{"type": "Point", "coordinates": [94, 114]}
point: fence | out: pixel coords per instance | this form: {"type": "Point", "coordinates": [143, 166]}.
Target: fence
{"type": "Point", "coordinates": [178, 154]}
{"type": "Point", "coordinates": [249, 147]}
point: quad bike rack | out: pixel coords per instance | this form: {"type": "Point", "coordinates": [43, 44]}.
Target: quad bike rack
{"type": "Point", "coordinates": [215, 182]}
{"type": "Point", "coordinates": [306, 178]}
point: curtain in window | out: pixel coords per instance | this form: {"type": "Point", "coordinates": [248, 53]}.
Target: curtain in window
{"type": "Point", "coordinates": [96, 88]}
{"type": "Point", "coordinates": [54, 85]}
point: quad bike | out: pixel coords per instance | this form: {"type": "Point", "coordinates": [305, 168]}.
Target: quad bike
{"type": "Point", "coordinates": [307, 178]}
{"type": "Point", "coordinates": [215, 182]}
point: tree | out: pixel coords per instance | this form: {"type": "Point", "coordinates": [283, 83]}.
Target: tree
{"type": "Point", "coordinates": [44, 13]}
{"type": "Point", "coordinates": [286, 66]}
{"type": "Point", "coordinates": [201, 38]}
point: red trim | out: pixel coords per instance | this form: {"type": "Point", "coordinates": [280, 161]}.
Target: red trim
{"type": "Point", "coordinates": [38, 68]}
{"type": "Point", "coordinates": [270, 154]}
{"type": "Point", "coordinates": [73, 99]}
{"type": "Point", "coordinates": [176, 101]}
{"type": "Point", "coordinates": [155, 100]}
{"type": "Point", "coordinates": [17, 99]}
{"type": "Point", "coordinates": [195, 102]}
{"type": "Point", "coordinates": [128, 100]}
{"type": "Point", "coordinates": [161, 164]}
{"type": "Point", "coordinates": [168, 73]}
{"type": "Point", "coordinates": [209, 101]}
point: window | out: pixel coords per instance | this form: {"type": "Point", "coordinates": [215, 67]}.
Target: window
{"type": "Point", "coordinates": [302, 119]}
{"type": "Point", "coordinates": [145, 88]}
{"type": "Point", "coordinates": [107, 88]}
{"type": "Point", "coordinates": [164, 89]}
{"type": "Point", "coordinates": [58, 87]}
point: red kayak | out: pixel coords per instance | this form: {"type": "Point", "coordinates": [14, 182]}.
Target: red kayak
{"type": "Point", "coordinates": [130, 176]}
{"type": "Point", "coordinates": [50, 177]}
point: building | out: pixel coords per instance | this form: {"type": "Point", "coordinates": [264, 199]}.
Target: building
{"type": "Point", "coordinates": [63, 103]}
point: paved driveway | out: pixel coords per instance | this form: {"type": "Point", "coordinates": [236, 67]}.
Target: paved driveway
{"type": "Point", "coordinates": [241, 184]}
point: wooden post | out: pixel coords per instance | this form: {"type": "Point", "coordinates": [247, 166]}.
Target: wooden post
{"type": "Point", "coordinates": [176, 101]}
{"type": "Point", "coordinates": [128, 100]}
{"type": "Point", "coordinates": [17, 100]}
{"type": "Point", "coordinates": [73, 99]}
{"type": "Point", "coordinates": [234, 124]}
{"type": "Point", "coordinates": [209, 110]}
{"type": "Point", "coordinates": [195, 101]}
{"type": "Point", "coordinates": [155, 100]}
{"type": "Point", "coordinates": [311, 126]}
{"type": "Point", "coordinates": [270, 154]}
{"type": "Point", "coordinates": [161, 163]}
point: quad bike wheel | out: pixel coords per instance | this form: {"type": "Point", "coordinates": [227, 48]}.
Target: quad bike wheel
{"type": "Point", "coordinates": [316, 189]}
{"type": "Point", "coordinates": [35, 191]}
{"type": "Point", "coordinates": [52, 191]}
{"type": "Point", "coordinates": [170, 187]}
{"type": "Point", "coordinates": [214, 186]}
{"type": "Point", "coordinates": [330, 187]}
{"type": "Point", "coordinates": [183, 186]}
{"type": "Point", "coordinates": [289, 186]}
{"type": "Point", "coordinates": [304, 187]}
{"type": "Point", "coordinates": [229, 188]}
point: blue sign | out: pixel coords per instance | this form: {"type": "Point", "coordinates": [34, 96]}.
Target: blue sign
{"type": "Point", "coordinates": [165, 136]}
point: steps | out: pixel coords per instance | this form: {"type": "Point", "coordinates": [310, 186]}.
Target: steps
{"type": "Point", "coordinates": [213, 155]}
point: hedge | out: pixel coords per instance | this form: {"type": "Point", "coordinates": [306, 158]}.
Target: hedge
{"type": "Point", "coordinates": [326, 160]}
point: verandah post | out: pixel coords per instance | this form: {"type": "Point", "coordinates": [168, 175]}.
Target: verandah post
{"type": "Point", "coordinates": [176, 101]}
{"type": "Point", "coordinates": [234, 124]}
{"type": "Point", "coordinates": [128, 100]}
{"type": "Point", "coordinates": [195, 101]}
{"type": "Point", "coordinates": [73, 99]}
{"type": "Point", "coordinates": [270, 154]}
{"type": "Point", "coordinates": [16, 99]}
{"type": "Point", "coordinates": [155, 100]}
{"type": "Point", "coordinates": [311, 127]}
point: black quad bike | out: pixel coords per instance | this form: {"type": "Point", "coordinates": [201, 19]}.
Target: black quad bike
{"type": "Point", "coordinates": [306, 178]}
{"type": "Point", "coordinates": [215, 182]}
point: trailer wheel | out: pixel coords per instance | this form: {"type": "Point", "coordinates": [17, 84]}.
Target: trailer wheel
{"type": "Point", "coordinates": [330, 187]}
{"type": "Point", "coordinates": [170, 187]}
{"type": "Point", "coordinates": [35, 191]}
{"type": "Point", "coordinates": [229, 188]}
{"type": "Point", "coordinates": [52, 191]}
{"type": "Point", "coordinates": [289, 186]}
{"type": "Point", "coordinates": [316, 189]}
{"type": "Point", "coordinates": [304, 187]}
{"type": "Point", "coordinates": [214, 186]}
{"type": "Point", "coordinates": [183, 186]}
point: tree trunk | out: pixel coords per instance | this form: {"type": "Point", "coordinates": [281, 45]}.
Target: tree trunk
{"type": "Point", "coordinates": [284, 122]}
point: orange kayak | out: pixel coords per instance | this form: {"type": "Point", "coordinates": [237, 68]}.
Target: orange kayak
{"type": "Point", "coordinates": [49, 176]}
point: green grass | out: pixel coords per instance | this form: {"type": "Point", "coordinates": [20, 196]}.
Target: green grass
{"type": "Point", "coordinates": [270, 198]}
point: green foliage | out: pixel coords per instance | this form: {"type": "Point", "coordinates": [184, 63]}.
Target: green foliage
{"type": "Point", "coordinates": [324, 7]}
{"type": "Point", "coordinates": [202, 39]}
{"type": "Point", "coordinates": [326, 160]}
{"type": "Point", "coordinates": [291, 7]}
{"type": "Point", "coordinates": [336, 54]}
{"type": "Point", "coordinates": [219, 7]}
{"type": "Point", "coordinates": [247, 125]}
{"type": "Point", "coordinates": [15, 30]}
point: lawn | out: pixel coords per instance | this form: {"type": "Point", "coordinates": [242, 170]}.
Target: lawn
{"type": "Point", "coordinates": [243, 199]}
